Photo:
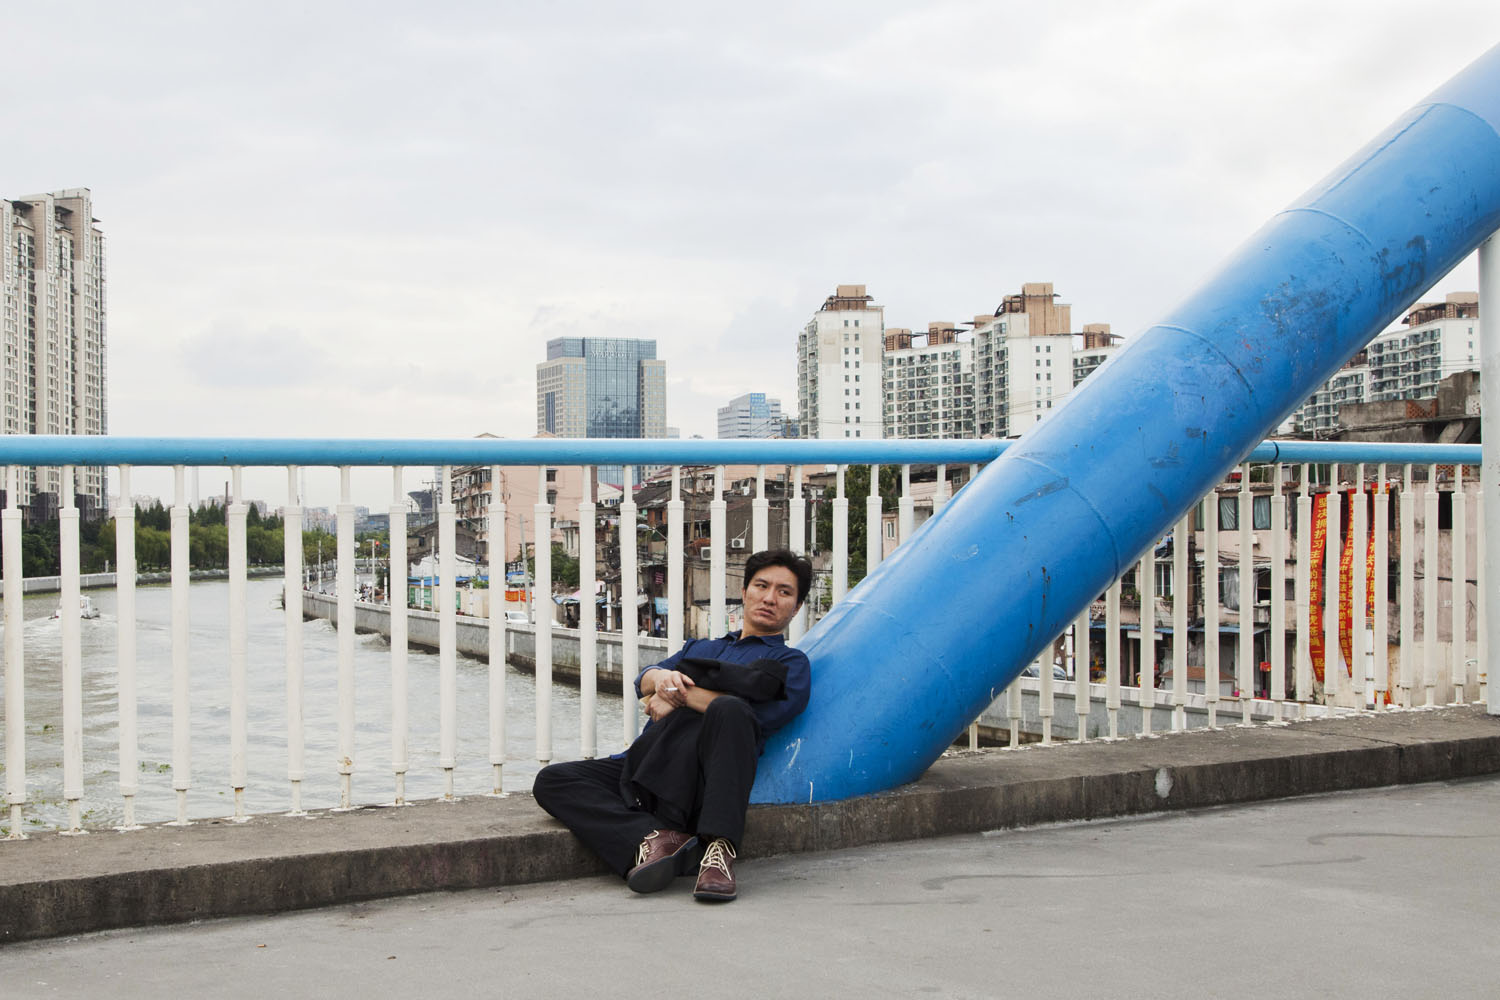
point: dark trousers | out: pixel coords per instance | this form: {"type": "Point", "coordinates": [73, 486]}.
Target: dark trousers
{"type": "Point", "coordinates": [586, 794]}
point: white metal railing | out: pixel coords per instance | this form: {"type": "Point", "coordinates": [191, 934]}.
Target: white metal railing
{"type": "Point", "coordinates": [1114, 659]}
{"type": "Point", "coordinates": [1354, 663]}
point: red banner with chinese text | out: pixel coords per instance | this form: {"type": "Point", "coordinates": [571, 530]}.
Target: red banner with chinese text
{"type": "Point", "coordinates": [1319, 542]}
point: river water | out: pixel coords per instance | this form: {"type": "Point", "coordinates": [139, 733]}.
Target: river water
{"type": "Point", "coordinates": [268, 789]}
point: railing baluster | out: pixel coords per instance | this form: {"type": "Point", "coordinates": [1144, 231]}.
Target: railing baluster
{"type": "Point", "coordinates": [344, 586]}
{"type": "Point", "coordinates": [940, 490]}
{"type": "Point", "coordinates": [675, 545]}
{"type": "Point", "coordinates": [797, 541]}
{"type": "Point", "coordinates": [239, 630]}
{"type": "Point", "coordinates": [396, 597]}
{"type": "Point", "coordinates": [874, 542]}
{"type": "Point", "coordinates": [907, 507]}
{"type": "Point", "coordinates": [72, 655]}
{"type": "Point", "coordinates": [1013, 711]}
{"type": "Point", "coordinates": [1211, 609]}
{"type": "Point", "coordinates": [181, 675]}
{"type": "Point", "coordinates": [1112, 658]}
{"type": "Point", "coordinates": [1304, 674]}
{"type": "Point", "coordinates": [1180, 590]}
{"type": "Point", "coordinates": [1362, 683]}
{"type": "Point", "coordinates": [447, 600]}
{"type": "Point", "coordinates": [291, 587]}
{"type": "Point", "coordinates": [125, 658]}
{"type": "Point", "coordinates": [1481, 609]}
{"type": "Point", "coordinates": [542, 606]}
{"type": "Point", "coordinates": [1333, 671]}
{"type": "Point", "coordinates": [717, 566]}
{"type": "Point", "coordinates": [760, 513]}
{"type": "Point", "coordinates": [840, 539]}
{"type": "Point", "coordinates": [1081, 659]}
{"type": "Point", "coordinates": [15, 656]}
{"type": "Point", "coordinates": [1381, 583]}
{"type": "Point", "coordinates": [588, 637]}
{"type": "Point", "coordinates": [1211, 676]}
{"type": "Point", "coordinates": [1408, 590]}
{"type": "Point", "coordinates": [1045, 708]}
{"type": "Point", "coordinates": [1277, 641]}
{"type": "Point", "coordinates": [1145, 578]}
{"type": "Point", "coordinates": [1430, 612]}
{"type": "Point", "coordinates": [630, 650]}
{"type": "Point", "coordinates": [1245, 647]}
{"type": "Point", "coordinates": [1459, 537]}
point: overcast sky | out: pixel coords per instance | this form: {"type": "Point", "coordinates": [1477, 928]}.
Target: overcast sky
{"type": "Point", "coordinates": [366, 219]}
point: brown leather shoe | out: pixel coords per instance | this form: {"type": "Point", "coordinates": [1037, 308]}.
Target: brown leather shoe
{"type": "Point", "coordinates": [662, 856]}
{"type": "Point", "coordinates": [716, 873]}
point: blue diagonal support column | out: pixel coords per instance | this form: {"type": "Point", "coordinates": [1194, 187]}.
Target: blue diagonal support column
{"type": "Point", "coordinates": [931, 637]}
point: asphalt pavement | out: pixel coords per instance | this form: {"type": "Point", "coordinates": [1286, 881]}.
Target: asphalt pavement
{"type": "Point", "coordinates": [1376, 893]}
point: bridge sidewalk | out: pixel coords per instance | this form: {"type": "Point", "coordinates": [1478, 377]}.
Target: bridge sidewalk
{"type": "Point", "coordinates": [53, 885]}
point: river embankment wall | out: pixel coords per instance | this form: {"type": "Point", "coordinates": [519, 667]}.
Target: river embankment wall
{"type": "Point", "coordinates": [100, 581]}
{"type": "Point", "coordinates": [472, 638]}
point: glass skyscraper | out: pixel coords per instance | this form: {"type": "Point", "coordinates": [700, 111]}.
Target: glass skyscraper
{"type": "Point", "coordinates": [601, 387]}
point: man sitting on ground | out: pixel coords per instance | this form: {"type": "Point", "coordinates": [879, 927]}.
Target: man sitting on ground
{"type": "Point", "coordinates": [680, 792]}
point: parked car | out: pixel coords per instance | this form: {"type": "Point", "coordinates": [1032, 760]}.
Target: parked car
{"type": "Point", "coordinates": [1058, 673]}
{"type": "Point", "coordinates": [517, 618]}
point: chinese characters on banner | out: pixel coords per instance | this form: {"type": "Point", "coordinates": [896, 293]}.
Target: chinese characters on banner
{"type": "Point", "coordinates": [1346, 581]}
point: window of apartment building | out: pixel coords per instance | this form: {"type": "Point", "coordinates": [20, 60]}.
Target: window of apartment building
{"type": "Point", "coordinates": [1163, 578]}
{"type": "Point", "coordinates": [1229, 513]}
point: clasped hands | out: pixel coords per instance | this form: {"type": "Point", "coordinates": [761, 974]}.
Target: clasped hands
{"type": "Point", "coordinates": [668, 694]}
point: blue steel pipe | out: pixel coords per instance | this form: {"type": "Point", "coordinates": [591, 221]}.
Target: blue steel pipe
{"type": "Point", "coordinates": [54, 450]}
{"type": "Point", "coordinates": [923, 645]}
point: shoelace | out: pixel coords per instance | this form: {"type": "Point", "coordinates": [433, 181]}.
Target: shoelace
{"type": "Point", "coordinates": [645, 848]}
{"type": "Point", "coordinates": [714, 856]}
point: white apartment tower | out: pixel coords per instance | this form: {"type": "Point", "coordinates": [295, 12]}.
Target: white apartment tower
{"type": "Point", "coordinates": [53, 282]}
{"type": "Point", "coordinates": [839, 368]}
{"type": "Point", "coordinates": [1440, 339]}
{"type": "Point", "coordinates": [929, 383]}
{"type": "Point", "coordinates": [1023, 361]}
{"type": "Point", "coordinates": [1099, 345]}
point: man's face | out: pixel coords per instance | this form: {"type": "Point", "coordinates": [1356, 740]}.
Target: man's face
{"type": "Point", "coordinates": [770, 601]}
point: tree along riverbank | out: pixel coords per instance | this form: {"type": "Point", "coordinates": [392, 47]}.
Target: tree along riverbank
{"type": "Point", "coordinates": [208, 541]}
{"type": "Point", "coordinates": [98, 581]}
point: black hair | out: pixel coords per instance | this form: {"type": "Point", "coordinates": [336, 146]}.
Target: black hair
{"type": "Point", "coordinates": [800, 567]}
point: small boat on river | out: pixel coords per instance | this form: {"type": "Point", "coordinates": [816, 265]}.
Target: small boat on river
{"type": "Point", "coordinates": [86, 608]}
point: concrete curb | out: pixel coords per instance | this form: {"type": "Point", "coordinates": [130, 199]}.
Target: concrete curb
{"type": "Point", "coordinates": [53, 885]}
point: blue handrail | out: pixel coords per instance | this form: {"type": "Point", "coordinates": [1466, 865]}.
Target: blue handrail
{"type": "Point", "coordinates": [53, 450]}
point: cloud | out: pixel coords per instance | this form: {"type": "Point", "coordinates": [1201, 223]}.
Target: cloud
{"type": "Point", "coordinates": [373, 223]}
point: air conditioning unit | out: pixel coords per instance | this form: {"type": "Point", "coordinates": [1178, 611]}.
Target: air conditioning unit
{"type": "Point", "coordinates": [736, 543]}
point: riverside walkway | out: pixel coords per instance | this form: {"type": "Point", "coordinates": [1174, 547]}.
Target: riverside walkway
{"type": "Point", "coordinates": [1378, 893]}
{"type": "Point", "coordinates": [55, 886]}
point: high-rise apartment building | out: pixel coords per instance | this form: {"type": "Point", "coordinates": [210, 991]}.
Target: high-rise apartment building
{"type": "Point", "coordinates": [1023, 361]}
{"type": "Point", "coordinates": [929, 383]}
{"type": "Point", "coordinates": [1440, 339]}
{"type": "Point", "coordinates": [1099, 345]}
{"type": "Point", "coordinates": [752, 415]}
{"type": "Point", "coordinates": [839, 368]}
{"type": "Point", "coordinates": [55, 379]}
{"type": "Point", "coordinates": [602, 387]}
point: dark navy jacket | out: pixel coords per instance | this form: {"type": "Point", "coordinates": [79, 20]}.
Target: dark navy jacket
{"type": "Point", "coordinates": [732, 649]}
